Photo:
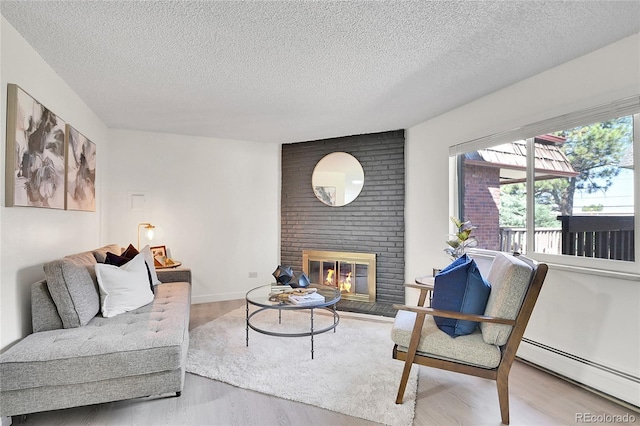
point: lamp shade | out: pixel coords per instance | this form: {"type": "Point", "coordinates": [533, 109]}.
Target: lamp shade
{"type": "Point", "coordinates": [283, 274]}
{"type": "Point", "coordinates": [149, 231]}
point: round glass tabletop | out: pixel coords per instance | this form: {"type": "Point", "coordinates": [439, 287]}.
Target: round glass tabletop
{"type": "Point", "coordinates": [259, 296]}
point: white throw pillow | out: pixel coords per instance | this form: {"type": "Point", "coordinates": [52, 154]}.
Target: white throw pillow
{"type": "Point", "coordinates": [125, 288]}
{"type": "Point", "coordinates": [148, 257]}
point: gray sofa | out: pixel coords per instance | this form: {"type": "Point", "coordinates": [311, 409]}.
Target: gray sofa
{"type": "Point", "coordinates": [75, 358]}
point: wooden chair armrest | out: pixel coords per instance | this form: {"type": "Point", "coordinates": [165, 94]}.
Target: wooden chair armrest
{"type": "Point", "coordinates": [425, 280]}
{"type": "Point", "coordinates": [455, 315]}
{"type": "Point", "coordinates": [424, 289]}
{"type": "Point", "coordinates": [420, 286]}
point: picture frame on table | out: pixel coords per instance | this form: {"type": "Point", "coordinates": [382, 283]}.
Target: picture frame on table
{"type": "Point", "coordinates": [159, 251]}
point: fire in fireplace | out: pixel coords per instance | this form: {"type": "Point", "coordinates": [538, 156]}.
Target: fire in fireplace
{"type": "Point", "coordinates": [353, 273]}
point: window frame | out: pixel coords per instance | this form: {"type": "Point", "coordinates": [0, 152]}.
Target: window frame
{"type": "Point", "coordinates": [606, 267]}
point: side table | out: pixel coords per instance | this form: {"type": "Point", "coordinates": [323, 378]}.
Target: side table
{"type": "Point", "coordinates": [425, 282]}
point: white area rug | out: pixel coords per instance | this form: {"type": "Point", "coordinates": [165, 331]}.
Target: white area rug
{"type": "Point", "coordinates": [352, 373]}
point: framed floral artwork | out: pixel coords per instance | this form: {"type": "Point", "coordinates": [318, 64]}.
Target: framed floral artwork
{"type": "Point", "coordinates": [81, 172]}
{"type": "Point", "coordinates": [35, 153]}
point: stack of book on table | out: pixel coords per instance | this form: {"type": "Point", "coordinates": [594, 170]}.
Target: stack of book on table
{"type": "Point", "coordinates": [306, 297]}
{"type": "Point", "coordinates": [295, 296]}
{"type": "Point", "coordinates": [279, 288]}
{"type": "Point", "coordinates": [280, 293]}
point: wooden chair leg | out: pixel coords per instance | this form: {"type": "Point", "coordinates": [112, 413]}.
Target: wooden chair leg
{"type": "Point", "coordinates": [503, 397]}
{"type": "Point", "coordinates": [405, 378]}
{"type": "Point", "coordinates": [411, 354]}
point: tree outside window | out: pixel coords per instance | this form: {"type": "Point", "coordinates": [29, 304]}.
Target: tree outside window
{"type": "Point", "coordinates": [583, 195]}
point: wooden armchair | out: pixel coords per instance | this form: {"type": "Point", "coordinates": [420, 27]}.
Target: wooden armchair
{"type": "Point", "coordinates": [489, 351]}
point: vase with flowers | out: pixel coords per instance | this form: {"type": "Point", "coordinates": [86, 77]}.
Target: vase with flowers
{"type": "Point", "coordinates": [461, 240]}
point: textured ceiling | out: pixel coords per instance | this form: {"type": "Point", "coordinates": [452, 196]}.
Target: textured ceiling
{"type": "Point", "coordinates": [303, 70]}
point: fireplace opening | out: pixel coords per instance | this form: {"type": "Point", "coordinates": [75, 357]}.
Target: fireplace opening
{"type": "Point", "coordinates": [353, 273]}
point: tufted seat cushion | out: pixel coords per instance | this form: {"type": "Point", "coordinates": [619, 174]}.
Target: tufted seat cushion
{"type": "Point", "coordinates": [469, 349]}
{"type": "Point", "coordinates": [151, 339]}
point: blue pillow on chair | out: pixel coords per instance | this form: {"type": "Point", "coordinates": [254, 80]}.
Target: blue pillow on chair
{"type": "Point", "coordinates": [461, 288]}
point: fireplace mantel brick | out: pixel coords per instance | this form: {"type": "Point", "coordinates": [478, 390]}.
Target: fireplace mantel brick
{"type": "Point", "coordinates": [373, 223]}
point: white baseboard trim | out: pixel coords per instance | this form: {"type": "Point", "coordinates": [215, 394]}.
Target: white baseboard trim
{"type": "Point", "coordinates": [217, 297]}
{"type": "Point", "coordinates": [617, 384]}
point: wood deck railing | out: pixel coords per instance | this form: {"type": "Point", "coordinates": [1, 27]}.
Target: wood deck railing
{"type": "Point", "coordinates": [547, 240]}
{"type": "Point", "coordinates": [604, 237]}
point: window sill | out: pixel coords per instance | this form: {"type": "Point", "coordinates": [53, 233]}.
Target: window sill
{"type": "Point", "coordinates": [594, 271]}
{"type": "Point", "coordinates": [578, 269]}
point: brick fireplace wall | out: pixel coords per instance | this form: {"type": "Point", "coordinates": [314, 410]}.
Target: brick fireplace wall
{"type": "Point", "coordinates": [373, 223]}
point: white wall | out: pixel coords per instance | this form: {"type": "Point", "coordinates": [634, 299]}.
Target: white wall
{"type": "Point", "coordinates": [215, 204]}
{"type": "Point", "coordinates": [592, 317]}
{"type": "Point", "coordinates": [31, 236]}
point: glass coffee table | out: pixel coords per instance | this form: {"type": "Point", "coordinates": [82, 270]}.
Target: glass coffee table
{"type": "Point", "coordinates": [259, 297]}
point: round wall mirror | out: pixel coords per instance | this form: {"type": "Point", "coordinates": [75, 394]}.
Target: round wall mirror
{"type": "Point", "coordinates": [337, 179]}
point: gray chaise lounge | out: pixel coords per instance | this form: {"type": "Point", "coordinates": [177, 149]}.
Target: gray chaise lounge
{"type": "Point", "coordinates": [135, 354]}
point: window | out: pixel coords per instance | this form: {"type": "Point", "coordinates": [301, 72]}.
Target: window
{"type": "Point", "coordinates": [567, 191]}
{"type": "Point", "coordinates": [593, 206]}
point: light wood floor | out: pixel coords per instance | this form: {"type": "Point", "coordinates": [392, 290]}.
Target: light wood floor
{"type": "Point", "coordinates": [444, 398]}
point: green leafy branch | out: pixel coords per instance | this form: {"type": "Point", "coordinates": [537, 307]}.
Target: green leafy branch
{"type": "Point", "coordinates": [462, 239]}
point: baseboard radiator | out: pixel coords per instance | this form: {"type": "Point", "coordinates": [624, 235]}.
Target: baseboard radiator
{"type": "Point", "coordinates": [609, 382]}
